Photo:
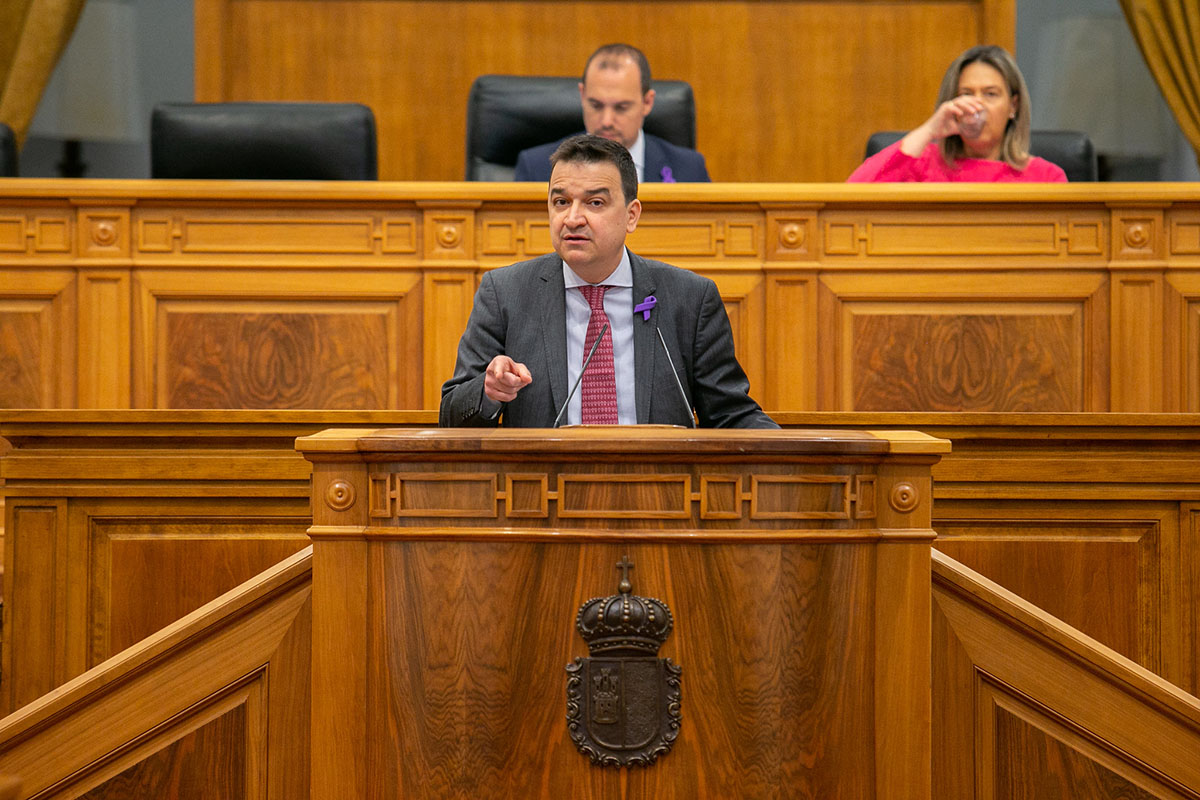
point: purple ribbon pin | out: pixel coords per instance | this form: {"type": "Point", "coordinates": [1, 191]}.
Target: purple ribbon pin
{"type": "Point", "coordinates": [646, 305]}
{"type": "Point", "coordinates": [667, 175]}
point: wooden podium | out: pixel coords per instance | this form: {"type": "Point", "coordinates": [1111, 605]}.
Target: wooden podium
{"type": "Point", "coordinates": [449, 566]}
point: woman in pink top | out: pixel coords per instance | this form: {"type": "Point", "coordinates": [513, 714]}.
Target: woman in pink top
{"type": "Point", "coordinates": [979, 132]}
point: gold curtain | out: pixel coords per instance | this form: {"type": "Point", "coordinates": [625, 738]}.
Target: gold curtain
{"type": "Point", "coordinates": [1168, 33]}
{"type": "Point", "coordinates": [33, 34]}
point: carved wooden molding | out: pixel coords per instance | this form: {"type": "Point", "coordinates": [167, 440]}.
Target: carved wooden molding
{"type": "Point", "coordinates": [1015, 260]}
{"type": "Point", "coordinates": [605, 496]}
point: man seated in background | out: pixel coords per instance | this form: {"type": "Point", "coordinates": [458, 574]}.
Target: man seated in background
{"type": "Point", "coordinates": [616, 97]}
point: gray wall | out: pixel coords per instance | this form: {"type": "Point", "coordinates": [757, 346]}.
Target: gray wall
{"type": "Point", "coordinates": [1034, 19]}
{"type": "Point", "coordinates": [164, 55]}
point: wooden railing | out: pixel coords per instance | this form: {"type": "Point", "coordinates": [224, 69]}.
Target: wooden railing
{"type": "Point", "coordinates": [1026, 706]}
{"type": "Point", "coordinates": [195, 294]}
{"type": "Point", "coordinates": [217, 704]}
{"type": "Point", "coordinates": [1023, 706]}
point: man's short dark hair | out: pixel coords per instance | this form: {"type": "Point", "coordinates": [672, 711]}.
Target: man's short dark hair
{"type": "Point", "coordinates": [610, 56]}
{"type": "Point", "coordinates": [589, 149]}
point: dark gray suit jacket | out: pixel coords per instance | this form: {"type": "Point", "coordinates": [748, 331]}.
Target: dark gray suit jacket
{"type": "Point", "coordinates": [520, 311]}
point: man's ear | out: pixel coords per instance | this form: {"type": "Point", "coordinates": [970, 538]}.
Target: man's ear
{"type": "Point", "coordinates": [635, 213]}
{"type": "Point", "coordinates": [649, 100]}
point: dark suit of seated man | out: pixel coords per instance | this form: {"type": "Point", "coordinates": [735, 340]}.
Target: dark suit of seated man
{"type": "Point", "coordinates": [657, 336]}
{"type": "Point", "coordinates": [616, 98]}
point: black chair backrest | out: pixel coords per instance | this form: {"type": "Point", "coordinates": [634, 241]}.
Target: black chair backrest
{"type": "Point", "coordinates": [8, 152]}
{"type": "Point", "coordinates": [508, 113]}
{"type": "Point", "coordinates": [267, 141]}
{"type": "Point", "coordinates": [1071, 150]}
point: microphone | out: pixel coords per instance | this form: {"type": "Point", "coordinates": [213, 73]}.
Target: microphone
{"type": "Point", "coordinates": [675, 375]}
{"type": "Point", "coordinates": [586, 361]}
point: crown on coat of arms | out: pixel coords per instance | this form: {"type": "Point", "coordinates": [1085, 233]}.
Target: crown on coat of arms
{"type": "Point", "coordinates": [624, 624]}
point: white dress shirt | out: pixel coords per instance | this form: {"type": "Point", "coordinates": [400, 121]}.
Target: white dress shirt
{"type": "Point", "coordinates": [618, 306]}
{"type": "Point", "coordinates": [638, 153]}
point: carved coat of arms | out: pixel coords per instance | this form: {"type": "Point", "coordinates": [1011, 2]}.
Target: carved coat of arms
{"type": "Point", "coordinates": [623, 702]}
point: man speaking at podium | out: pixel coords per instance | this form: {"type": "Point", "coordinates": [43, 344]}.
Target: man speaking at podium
{"type": "Point", "coordinates": [592, 333]}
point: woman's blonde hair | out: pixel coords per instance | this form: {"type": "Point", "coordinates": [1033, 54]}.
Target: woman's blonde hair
{"type": "Point", "coordinates": [1015, 148]}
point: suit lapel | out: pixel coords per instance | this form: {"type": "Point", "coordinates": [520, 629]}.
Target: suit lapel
{"type": "Point", "coordinates": [645, 349]}
{"type": "Point", "coordinates": [655, 160]}
{"type": "Point", "coordinates": [551, 310]}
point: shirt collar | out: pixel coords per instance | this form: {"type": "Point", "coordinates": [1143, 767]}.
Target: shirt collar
{"type": "Point", "coordinates": [638, 152]}
{"type": "Point", "coordinates": [621, 276]}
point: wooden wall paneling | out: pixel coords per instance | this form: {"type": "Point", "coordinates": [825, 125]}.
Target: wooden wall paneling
{"type": "Point", "coordinates": [941, 342]}
{"type": "Point", "coordinates": [1183, 592]}
{"type": "Point", "coordinates": [103, 247]}
{"type": "Point", "coordinates": [743, 296]}
{"type": "Point", "coordinates": [209, 546]}
{"type": "Point", "coordinates": [792, 315]}
{"type": "Point", "coordinates": [1137, 342]}
{"type": "Point", "coordinates": [813, 78]}
{"type": "Point", "coordinates": [902, 766]}
{"type": "Point", "coordinates": [278, 339]}
{"type": "Point", "coordinates": [1041, 710]}
{"type": "Point", "coordinates": [1034, 755]}
{"type": "Point", "coordinates": [216, 705]}
{"type": "Point", "coordinates": [105, 309]}
{"type": "Point", "coordinates": [1105, 568]}
{"type": "Point", "coordinates": [1181, 348]}
{"type": "Point", "coordinates": [99, 587]}
{"type": "Point", "coordinates": [121, 522]}
{"type": "Point", "coordinates": [340, 665]}
{"type": "Point", "coordinates": [791, 341]}
{"type": "Point", "coordinates": [35, 599]}
{"type": "Point", "coordinates": [510, 234]}
{"type": "Point", "coordinates": [1139, 251]}
{"type": "Point", "coordinates": [37, 337]}
{"type": "Point", "coordinates": [449, 297]}
{"type": "Point", "coordinates": [1088, 515]}
{"type": "Point", "coordinates": [255, 274]}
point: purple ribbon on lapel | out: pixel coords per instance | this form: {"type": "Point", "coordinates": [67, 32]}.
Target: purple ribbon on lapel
{"type": "Point", "coordinates": [646, 305]}
{"type": "Point", "coordinates": [667, 176]}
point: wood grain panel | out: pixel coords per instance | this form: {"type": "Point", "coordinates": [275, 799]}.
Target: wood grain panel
{"type": "Point", "coordinates": [206, 764]}
{"type": "Point", "coordinates": [1137, 342]}
{"type": "Point", "coordinates": [204, 557]}
{"type": "Point", "coordinates": [34, 550]}
{"type": "Point", "coordinates": [744, 298]}
{"type": "Point", "coordinates": [278, 339]}
{"type": "Point", "coordinates": [1042, 710]}
{"type": "Point", "coordinates": [1033, 765]}
{"type": "Point", "coordinates": [37, 339]}
{"type": "Point", "coordinates": [105, 300]}
{"type": "Point", "coordinates": [311, 357]}
{"type": "Point", "coordinates": [793, 635]}
{"type": "Point", "coordinates": [215, 705]}
{"type": "Point", "coordinates": [785, 90]}
{"type": "Point", "coordinates": [1182, 345]}
{"type": "Point", "coordinates": [1034, 309]}
{"type": "Point", "coordinates": [1100, 576]}
{"type": "Point", "coordinates": [26, 372]}
{"type": "Point", "coordinates": [1114, 570]}
{"type": "Point", "coordinates": [929, 357]}
{"type": "Point", "coordinates": [448, 300]}
{"type": "Point", "coordinates": [486, 684]}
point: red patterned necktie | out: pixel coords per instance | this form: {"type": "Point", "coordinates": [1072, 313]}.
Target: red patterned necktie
{"type": "Point", "coordinates": [598, 389]}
